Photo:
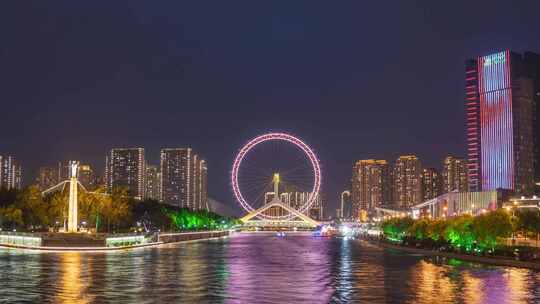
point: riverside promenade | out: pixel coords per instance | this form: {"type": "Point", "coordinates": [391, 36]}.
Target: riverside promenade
{"type": "Point", "coordinates": [86, 242]}
{"type": "Point", "coordinates": [498, 261]}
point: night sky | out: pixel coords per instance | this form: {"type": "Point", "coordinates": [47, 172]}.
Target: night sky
{"type": "Point", "coordinates": [354, 79]}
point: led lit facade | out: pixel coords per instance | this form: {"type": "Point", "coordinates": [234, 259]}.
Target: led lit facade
{"type": "Point", "coordinates": [496, 122]}
{"type": "Point", "coordinates": [370, 185]}
{"type": "Point", "coordinates": [127, 168]}
{"type": "Point", "coordinates": [501, 93]}
{"type": "Point", "coordinates": [183, 178]}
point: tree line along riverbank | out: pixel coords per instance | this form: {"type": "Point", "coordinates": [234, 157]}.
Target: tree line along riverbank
{"type": "Point", "coordinates": [27, 210]}
{"type": "Point", "coordinates": [485, 235]}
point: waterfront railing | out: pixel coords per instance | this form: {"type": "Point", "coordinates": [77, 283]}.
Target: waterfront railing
{"type": "Point", "coordinates": [20, 238]}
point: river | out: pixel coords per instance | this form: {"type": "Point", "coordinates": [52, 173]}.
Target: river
{"type": "Point", "coordinates": [258, 268]}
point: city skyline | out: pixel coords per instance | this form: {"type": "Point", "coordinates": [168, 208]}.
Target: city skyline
{"type": "Point", "coordinates": [160, 77]}
{"type": "Point", "coordinates": [270, 152]}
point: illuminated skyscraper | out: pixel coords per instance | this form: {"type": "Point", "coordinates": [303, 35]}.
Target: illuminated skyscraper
{"type": "Point", "coordinates": [203, 181]}
{"type": "Point", "coordinates": [370, 185]}
{"type": "Point", "coordinates": [10, 173]}
{"type": "Point", "coordinates": [126, 168]}
{"type": "Point", "coordinates": [501, 94]}
{"type": "Point", "coordinates": [48, 177]}
{"type": "Point", "coordinates": [431, 183]}
{"type": "Point", "coordinates": [454, 175]}
{"type": "Point", "coordinates": [407, 181]}
{"type": "Point", "coordinates": [153, 183]}
{"type": "Point", "coordinates": [183, 178]}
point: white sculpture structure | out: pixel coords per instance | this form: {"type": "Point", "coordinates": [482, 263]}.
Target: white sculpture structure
{"type": "Point", "coordinates": [74, 184]}
{"type": "Point", "coordinates": [73, 222]}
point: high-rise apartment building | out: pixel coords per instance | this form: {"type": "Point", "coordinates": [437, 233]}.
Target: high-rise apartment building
{"type": "Point", "coordinates": [407, 181]}
{"type": "Point", "coordinates": [127, 168]}
{"type": "Point", "coordinates": [87, 177]}
{"type": "Point", "coordinates": [316, 211]}
{"type": "Point", "coordinates": [196, 181]}
{"type": "Point", "coordinates": [48, 177]}
{"type": "Point", "coordinates": [371, 185]}
{"type": "Point", "coordinates": [501, 94]}
{"type": "Point", "coordinates": [10, 173]}
{"type": "Point", "coordinates": [203, 181]}
{"type": "Point", "coordinates": [183, 179]}
{"type": "Point", "coordinates": [63, 170]}
{"type": "Point", "coordinates": [454, 175]}
{"type": "Point", "coordinates": [431, 183]}
{"type": "Point", "coordinates": [153, 183]}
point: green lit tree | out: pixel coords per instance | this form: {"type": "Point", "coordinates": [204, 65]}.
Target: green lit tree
{"type": "Point", "coordinates": [459, 232]}
{"type": "Point", "coordinates": [420, 229]}
{"type": "Point", "coordinates": [185, 219]}
{"type": "Point", "coordinates": [396, 228]}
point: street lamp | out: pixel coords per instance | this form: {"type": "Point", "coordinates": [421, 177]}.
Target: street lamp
{"type": "Point", "coordinates": [445, 211]}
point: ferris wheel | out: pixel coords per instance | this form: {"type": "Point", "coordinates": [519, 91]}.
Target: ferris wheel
{"type": "Point", "coordinates": [278, 167]}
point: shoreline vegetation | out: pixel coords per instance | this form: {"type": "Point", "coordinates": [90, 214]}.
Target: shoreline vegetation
{"type": "Point", "coordinates": [27, 210]}
{"type": "Point", "coordinates": [486, 238]}
{"type": "Point", "coordinates": [491, 260]}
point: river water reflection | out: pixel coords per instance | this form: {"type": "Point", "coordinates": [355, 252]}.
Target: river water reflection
{"type": "Point", "coordinates": [249, 268]}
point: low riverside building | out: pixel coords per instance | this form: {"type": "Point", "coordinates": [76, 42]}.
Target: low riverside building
{"type": "Point", "coordinates": [523, 202]}
{"type": "Point", "coordinates": [458, 203]}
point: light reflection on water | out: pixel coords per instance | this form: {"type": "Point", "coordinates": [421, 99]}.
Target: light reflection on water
{"type": "Point", "coordinates": [258, 269]}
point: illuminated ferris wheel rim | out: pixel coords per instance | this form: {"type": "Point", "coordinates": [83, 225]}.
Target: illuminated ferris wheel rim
{"type": "Point", "coordinates": [283, 137]}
